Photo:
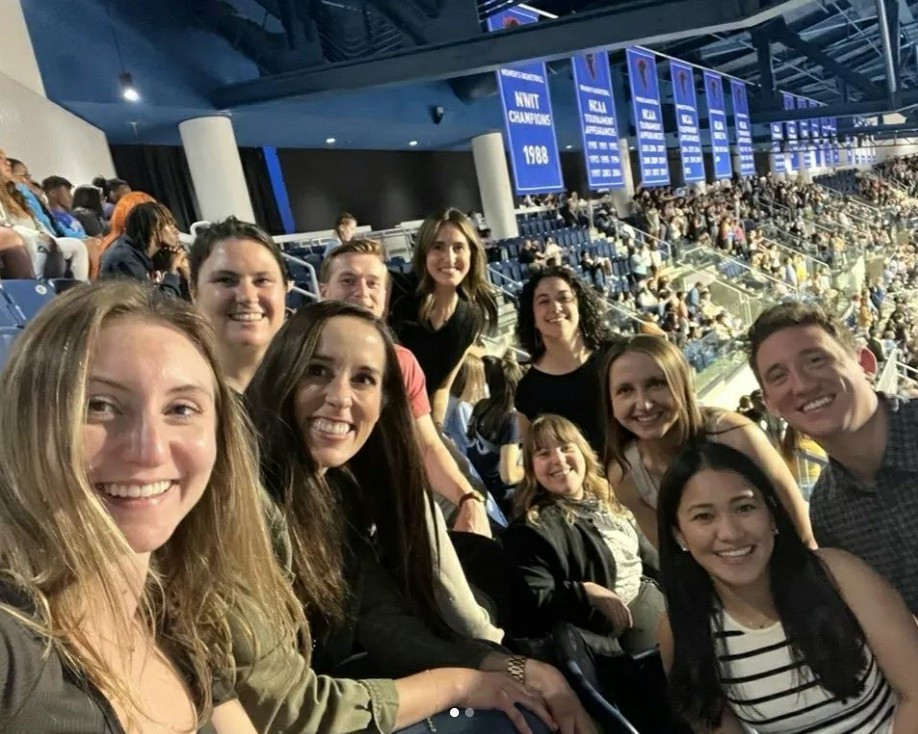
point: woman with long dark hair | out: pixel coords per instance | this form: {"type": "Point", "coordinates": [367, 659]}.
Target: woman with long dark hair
{"type": "Point", "coordinates": [87, 208]}
{"type": "Point", "coordinates": [562, 324]}
{"type": "Point", "coordinates": [763, 630]}
{"type": "Point", "coordinates": [440, 309]}
{"type": "Point", "coordinates": [651, 413]}
{"type": "Point", "coordinates": [342, 464]}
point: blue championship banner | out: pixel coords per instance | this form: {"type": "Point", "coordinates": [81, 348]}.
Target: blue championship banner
{"type": "Point", "coordinates": [717, 124]}
{"type": "Point", "coordinates": [598, 125]}
{"type": "Point", "coordinates": [816, 136]}
{"type": "Point", "coordinates": [648, 117]}
{"type": "Point", "coordinates": [690, 150]}
{"type": "Point", "coordinates": [528, 116]}
{"type": "Point", "coordinates": [806, 147]}
{"type": "Point", "coordinates": [742, 127]}
{"type": "Point", "coordinates": [791, 128]}
{"type": "Point", "coordinates": [777, 138]}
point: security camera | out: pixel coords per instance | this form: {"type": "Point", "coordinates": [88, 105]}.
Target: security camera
{"type": "Point", "coordinates": [436, 114]}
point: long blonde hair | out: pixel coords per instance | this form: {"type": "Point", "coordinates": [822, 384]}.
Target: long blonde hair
{"type": "Point", "coordinates": [678, 375]}
{"type": "Point", "coordinates": [530, 496]}
{"type": "Point", "coordinates": [58, 541]}
{"type": "Point", "coordinates": [475, 287]}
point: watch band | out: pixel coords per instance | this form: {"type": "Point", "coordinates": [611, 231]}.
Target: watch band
{"type": "Point", "coordinates": [516, 667]}
{"type": "Point", "coordinates": [470, 496]}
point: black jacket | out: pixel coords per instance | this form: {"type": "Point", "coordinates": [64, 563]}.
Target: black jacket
{"type": "Point", "coordinates": [124, 260]}
{"type": "Point", "coordinates": [556, 558]}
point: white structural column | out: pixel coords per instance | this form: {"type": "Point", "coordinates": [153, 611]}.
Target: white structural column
{"type": "Point", "coordinates": [18, 58]}
{"type": "Point", "coordinates": [622, 198]}
{"type": "Point", "coordinates": [494, 185]}
{"type": "Point", "coordinates": [216, 168]}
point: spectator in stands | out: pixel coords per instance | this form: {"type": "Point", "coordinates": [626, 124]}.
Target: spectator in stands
{"type": "Point", "coordinates": [71, 249]}
{"type": "Point", "coordinates": [110, 619]}
{"type": "Point", "coordinates": [651, 413]}
{"type": "Point", "coordinates": [356, 273]}
{"type": "Point", "coordinates": [639, 264]}
{"type": "Point", "coordinates": [113, 191]}
{"type": "Point", "coordinates": [467, 389]}
{"type": "Point", "coordinates": [15, 261]}
{"type": "Point", "coordinates": [786, 639]}
{"type": "Point", "coordinates": [693, 298]}
{"type": "Point", "coordinates": [120, 214]}
{"type": "Point", "coordinates": [577, 546]}
{"type": "Point", "coordinates": [87, 208]}
{"type": "Point", "coordinates": [59, 193]}
{"type": "Point", "coordinates": [150, 229]}
{"type": "Point", "coordinates": [345, 227]}
{"type": "Point", "coordinates": [441, 308]}
{"type": "Point", "coordinates": [563, 327]}
{"type": "Point", "coordinates": [341, 462]}
{"type": "Point", "coordinates": [493, 434]}
{"type": "Point", "coordinates": [813, 376]}
{"type": "Point", "coordinates": [238, 279]}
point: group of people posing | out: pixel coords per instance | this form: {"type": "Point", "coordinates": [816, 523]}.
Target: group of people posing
{"type": "Point", "coordinates": [223, 518]}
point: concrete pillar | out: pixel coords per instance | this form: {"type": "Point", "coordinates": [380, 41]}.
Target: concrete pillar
{"type": "Point", "coordinates": [494, 185]}
{"type": "Point", "coordinates": [216, 168]}
{"type": "Point", "coordinates": [18, 60]}
{"type": "Point", "coordinates": [622, 197]}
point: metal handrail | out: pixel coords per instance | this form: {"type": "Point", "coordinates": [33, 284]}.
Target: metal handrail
{"type": "Point", "coordinates": [792, 251]}
{"type": "Point", "coordinates": [301, 291]}
{"type": "Point", "coordinates": [314, 281]}
{"type": "Point", "coordinates": [716, 253]}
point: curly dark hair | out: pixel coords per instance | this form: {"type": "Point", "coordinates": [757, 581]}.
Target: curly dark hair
{"type": "Point", "coordinates": [593, 322]}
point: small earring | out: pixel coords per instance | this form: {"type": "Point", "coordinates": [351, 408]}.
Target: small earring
{"type": "Point", "coordinates": [684, 549]}
{"type": "Point", "coordinates": [776, 531]}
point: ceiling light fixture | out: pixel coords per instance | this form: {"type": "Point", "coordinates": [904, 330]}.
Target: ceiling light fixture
{"type": "Point", "coordinates": [330, 141]}
{"type": "Point", "coordinates": [568, 147]}
{"type": "Point", "coordinates": [128, 90]}
{"type": "Point", "coordinates": [412, 143]}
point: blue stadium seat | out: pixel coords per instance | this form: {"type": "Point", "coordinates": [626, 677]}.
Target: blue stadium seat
{"type": "Point", "coordinates": [27, 297]}
{"type": "Point", "coordinates": [8, 335]}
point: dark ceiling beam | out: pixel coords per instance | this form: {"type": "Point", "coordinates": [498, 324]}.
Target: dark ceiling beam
{"type": "Point", "coordinates": [762, 44]}
{"type": "Point", "coordinates": [607, 28]}
{"type": "Point", "coordinates": [888, 22]}
{"type": "Point", "coordinates": [783, 35]}
{"type": "Point", "coordinates": [867, 107]}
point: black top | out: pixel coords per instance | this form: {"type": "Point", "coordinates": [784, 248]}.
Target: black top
{"type": "Point", "coordinates": [575, 396]}
{"type": "Point", "coordinates": [438, 352]}
{"type": "Point", "coordinates": [42, 694]}
{"type": "Point", "coordinates": [124, 260]}
{"type": "Point", "coordinates": [93, 224]}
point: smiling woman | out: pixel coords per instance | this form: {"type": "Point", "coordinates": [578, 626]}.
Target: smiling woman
{"type": "Point", "coordinates": [125, 466]}
{"type": "Point", "coordinates": [761, 629]}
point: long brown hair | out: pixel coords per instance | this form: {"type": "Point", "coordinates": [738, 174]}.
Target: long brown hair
{"type": "Point", "coordinates": [387, 473]}
{"type": "Point", "coordinates": [678, 375]}
{"type": "Point", "coordinates": [58, 541]}
{"type": "Point", "coordinates": [474, 288]}
{"type": "Point", "coordinates": [530, 496]}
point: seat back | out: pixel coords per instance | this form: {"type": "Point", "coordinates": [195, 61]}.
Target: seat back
{"type": "Point", "coordinates": [27, 297]}
{"type": "Point", "coordinates": [8, 335]}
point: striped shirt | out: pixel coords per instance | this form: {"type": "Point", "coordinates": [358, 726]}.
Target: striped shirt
{"type": "Point", "coordinates": [771, 692]}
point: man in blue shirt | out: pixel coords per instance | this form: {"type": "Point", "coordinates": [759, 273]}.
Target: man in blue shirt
{"type": "Point", "coordinates": [59, 192]}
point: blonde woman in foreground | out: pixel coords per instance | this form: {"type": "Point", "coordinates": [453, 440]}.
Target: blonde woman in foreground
{"type": "Point", "coordinates": [132, 522]}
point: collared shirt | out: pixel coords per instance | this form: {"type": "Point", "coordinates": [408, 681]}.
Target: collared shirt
{"type": "Point", "coordinates": [877, 520]}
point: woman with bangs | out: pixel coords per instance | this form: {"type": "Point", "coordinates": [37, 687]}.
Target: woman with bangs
{"type": "Point", "coordinates": [139, 529]}
{"type": "Point", "coordinates": [563, 326]}
{"type": "Point", "coordinates": [341, 463]}
{"type": "Point", "coordinates": [651, 413]}
{"type": "Point", "coordinates": [577, 547]}
{"type": "Point", "coordinates": [763, 633]}
{"type": "Point", "coordinates": [440, 309]}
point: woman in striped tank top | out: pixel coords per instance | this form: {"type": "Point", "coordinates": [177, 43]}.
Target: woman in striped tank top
{"type": "Point", "coordinates": [761, 630]}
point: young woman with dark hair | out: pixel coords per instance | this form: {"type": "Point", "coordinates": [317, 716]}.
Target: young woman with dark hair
{"type": "Point", "coordinates": [562, 324]}
{"type": "Point", "coordinates": [439, 310]}
{"type": "Point", "coordinates": [493, 433]}
{"type": "Point", "coordinates": [651, 413]}
{"type": "Point", "coordinates": [87, 208]}
{"type": "Point", "coordinates": [342, 463]}
{"type": "Point", "coordinates": [761, 629]}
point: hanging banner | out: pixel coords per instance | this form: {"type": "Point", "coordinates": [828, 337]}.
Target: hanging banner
{"type": "Point", "coordinates": [836, 146]}
{"type": "Point", "coordinates": [598, 126]}
{"type": "Point", "coordinates": [690, 150]}
{"type": "Point", "coordinates": [528, 117]}
{"type": "Point", "coordinates": [717, 124]}
{"type": "Point", "coordinates": [826, 125]}
{"type": "Point", "coordinates": [648, 117]}
{"type": "Point", "coordinates": [742, 128]}
{"type": "Point", "coordinates": [791, 128]}
{"type": "Point", "coordinates": [816, 137]}
{"type": "Point", "coordinates": [779, 159]}
{"type": "Point", "coordinates": [806, 150]}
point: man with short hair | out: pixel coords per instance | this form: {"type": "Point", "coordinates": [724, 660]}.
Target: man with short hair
{"type": "Point", "coordinates": [59, 192]}
{"type": "Point", "coordinates": [814, 376]}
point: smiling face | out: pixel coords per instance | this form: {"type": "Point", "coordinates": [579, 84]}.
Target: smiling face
{"type": "Point", "coordinates": [724, 523]}
{"type": "Point", "coordinates": [340, 398]}
{"type": "Point", "coordinates": [642, 401]}
{"type": "Point", "coordinates": [357, 278]}
{"type": "Point", "coordinates": [241, 289]}
{"type": "Point", "coordinates": [555, 307]}
{"type": "Point", "coordinates": [814, 383]}
{"type": "Point", "coordinates": [560, 468]}
{"type": "Point", "coordinates": [449, 257]}
{"type": "Point", "coordinates": [150, 429]}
